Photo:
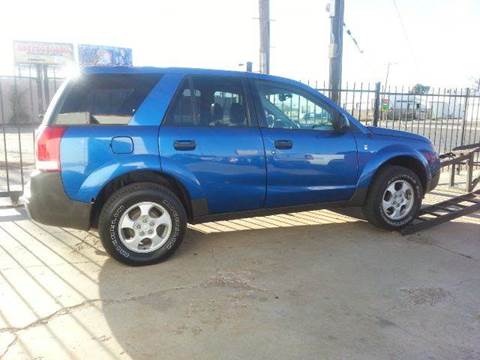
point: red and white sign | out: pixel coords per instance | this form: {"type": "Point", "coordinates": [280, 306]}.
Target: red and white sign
{"type": "Point", "coordinates": [36, 52]}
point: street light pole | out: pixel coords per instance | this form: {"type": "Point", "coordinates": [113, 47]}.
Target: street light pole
{"type": "Point", "coordinates": [336, 48]}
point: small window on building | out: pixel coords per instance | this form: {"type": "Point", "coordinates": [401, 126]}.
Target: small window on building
{"type": "Point", "coordinates": [104, 99]}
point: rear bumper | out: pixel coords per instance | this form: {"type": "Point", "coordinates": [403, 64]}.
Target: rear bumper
{"type": "Point", "coordinates": [47, 203]}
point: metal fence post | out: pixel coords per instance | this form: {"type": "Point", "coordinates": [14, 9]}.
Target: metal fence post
{"type": "Point", "coordinates": [469, 179]}
{"type": "Point", "coordinates": [376, 108]}
{"type": "Point", "coordinates": [38, 72]}
{"type": "Point", "coordinates": [465, 109]}
{"type": "Point", "coordinates": [5, 152]}
{"type": "Point", "coordinates": [452, 175]}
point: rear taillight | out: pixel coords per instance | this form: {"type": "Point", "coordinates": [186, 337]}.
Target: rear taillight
{"type": "Point", "coordinates": [48, 148]}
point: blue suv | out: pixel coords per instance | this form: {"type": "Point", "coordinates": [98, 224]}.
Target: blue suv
{"type": "Point", "coordinates": [138, 153]}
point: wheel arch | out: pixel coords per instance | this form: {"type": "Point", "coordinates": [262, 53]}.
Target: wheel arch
{"type": "Point", "coordinates": [412, 163]}
{"type": "Point", "coordinates": [131, 177]}
{"type": "Point", "coordinates": [371, 170]}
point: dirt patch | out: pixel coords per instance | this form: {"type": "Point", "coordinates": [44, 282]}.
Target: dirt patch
{"type": "Point", "coordinates": [426, 296]}
{"type": "Point", "coordinates": [240, 280]}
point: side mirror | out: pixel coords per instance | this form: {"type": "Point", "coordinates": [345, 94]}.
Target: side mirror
{"type": "Point", "coordinates": [341, 123]}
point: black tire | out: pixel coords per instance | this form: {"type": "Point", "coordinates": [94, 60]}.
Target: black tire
{"type": "Point", "coordinates": [128, 196]}
{"type": "Point", "coordinates": [373, 209]}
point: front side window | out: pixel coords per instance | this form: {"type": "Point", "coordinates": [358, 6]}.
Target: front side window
{"type": "Point", "coordinates": [103, 99]}
{"type": "Point", "coordinates": [291, 108]}
{"type": "Point", "coordinates": [209, 101]}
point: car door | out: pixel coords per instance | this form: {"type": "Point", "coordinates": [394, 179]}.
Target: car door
{"type": "Point", "coordinates": [209, 141]}
{"type": "Point", "coordinates": [309, 160]}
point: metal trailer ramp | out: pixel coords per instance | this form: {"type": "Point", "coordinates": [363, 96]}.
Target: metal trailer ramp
{"type": "Point", "coordinates": [453, 208]}
{"type": "Point", "coordinates": [444, 211]}
{"type": "Point", "coordinates": [10, 199]}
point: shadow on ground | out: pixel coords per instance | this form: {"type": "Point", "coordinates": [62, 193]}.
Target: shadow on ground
{"type": "Point", "coordinates": [322, 291]}
{"type": "Point", "coordinates": [307, 285]}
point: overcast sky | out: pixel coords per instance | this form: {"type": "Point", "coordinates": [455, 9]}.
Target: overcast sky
{"type": "Point", "coordinates": [437, 44]}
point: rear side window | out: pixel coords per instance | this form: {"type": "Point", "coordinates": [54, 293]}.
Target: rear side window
{"type": "Point", "coordinates": [209, 101]}
{"type": "Point", "coordinates": [103, 99]}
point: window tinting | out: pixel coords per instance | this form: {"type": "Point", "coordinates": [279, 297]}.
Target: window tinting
{"type": "Point", "coordinates": [104, 99]}
{"type": "Point", "coordinates": [216, 102]}
{"type": "Point", "coordinates": [181, 112]}
{"type": "Point", "coordinates": [290, 108]}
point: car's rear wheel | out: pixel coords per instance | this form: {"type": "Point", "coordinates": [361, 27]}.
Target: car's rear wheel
{"type": "Point", "coordinates": [142, 223]}
{"type": "Point", "coordinates": [394, 198]}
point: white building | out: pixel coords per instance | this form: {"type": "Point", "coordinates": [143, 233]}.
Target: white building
{"type": "Point", "coordinates": [447, 109]}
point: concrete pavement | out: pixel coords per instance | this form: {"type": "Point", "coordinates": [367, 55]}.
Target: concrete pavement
{"type": "Point", "coordinates": [313, 285]}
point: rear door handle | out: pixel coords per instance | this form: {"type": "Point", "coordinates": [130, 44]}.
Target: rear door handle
{"type": "Point", "coordinates": [283, 144]}
{"type": "Point", "coordinates": [184, 145]}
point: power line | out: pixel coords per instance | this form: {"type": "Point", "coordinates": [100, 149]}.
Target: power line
{"type": "Point", "coordinates": [404, 30]}
{"type": "Point", "coordinates": [349, 32]}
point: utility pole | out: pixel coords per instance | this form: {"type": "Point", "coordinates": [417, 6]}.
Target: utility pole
{"type": "Point", "coordinates": [388, 73]}
{"type": "Point", "coordinates": [264, 16]}
{"type": "Point", "coordinates": [46, 85]}
{"type": "Point", "coordinates": [389, 64]}
{"type": "Point", "coordinates": [39, 73]}
{"type": "Point", "coordinates": [336, 48]}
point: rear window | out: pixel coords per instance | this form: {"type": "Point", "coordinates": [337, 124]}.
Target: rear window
{"type": "Point", "coordinates": [103, 99]}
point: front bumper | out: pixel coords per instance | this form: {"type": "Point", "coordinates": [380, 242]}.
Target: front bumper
{"type": "Point", "coordinates": [47, 203]}
{"type": "Point", "coordinates": [433, 181]}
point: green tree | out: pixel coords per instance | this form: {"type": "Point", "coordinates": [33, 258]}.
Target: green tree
{"type": "Point", "coordinates": [420, 89]}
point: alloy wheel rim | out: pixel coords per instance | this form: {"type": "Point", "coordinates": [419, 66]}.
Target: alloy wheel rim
{"type": "Point", "coordinates": [398, 199]}
{"type": "Point", "coordinates": [145, 227]}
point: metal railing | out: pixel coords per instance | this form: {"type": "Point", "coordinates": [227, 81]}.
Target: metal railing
{"type": "Point", "coordinates": [23, 99]}
{"type": "Point", "coordinates": [449, 117]}
{"type": "Point", "coordinates": [462, 155]}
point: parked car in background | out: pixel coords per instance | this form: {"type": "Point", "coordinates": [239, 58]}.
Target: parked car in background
{"type": "Point", "coordinates": [138, 153]}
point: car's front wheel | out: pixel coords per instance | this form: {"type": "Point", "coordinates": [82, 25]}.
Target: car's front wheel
{"type": "Point", "coordinates": [394, 198]}
{"type": "Point", "coordinates": [142, 223]}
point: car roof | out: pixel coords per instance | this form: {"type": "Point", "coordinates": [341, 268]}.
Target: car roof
{"type": "Point", "coordinates": [177, 70]}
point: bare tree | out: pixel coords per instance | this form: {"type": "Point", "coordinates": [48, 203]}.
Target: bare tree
{"type": "Point", "coordinates": [476, 84]}
{"type": "Point", "coordinates": [17, 101]}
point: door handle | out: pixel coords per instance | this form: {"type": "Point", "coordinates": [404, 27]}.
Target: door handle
{"type": "Point", "coordinates": [184, 145]}
{"type": "Point", "coordinates": [283, 144]}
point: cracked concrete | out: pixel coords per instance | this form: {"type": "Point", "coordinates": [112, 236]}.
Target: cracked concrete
{"type": "Point", "coordinates": [44, 320]}
{"type": "Point", "coordinates": [314, 285]}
